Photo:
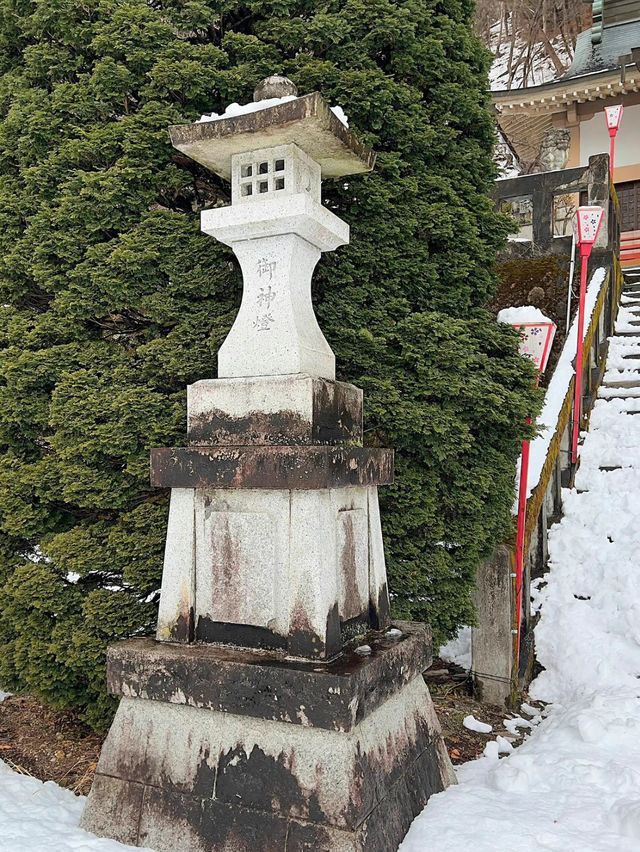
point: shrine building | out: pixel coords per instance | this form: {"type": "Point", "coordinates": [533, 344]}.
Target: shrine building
{"type": "Point", "coordinates": [605, 72]}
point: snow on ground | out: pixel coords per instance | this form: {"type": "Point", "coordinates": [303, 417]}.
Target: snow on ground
{"type": "Point", "coordinates": [458, 650]}
{"type": "Point", "coordinates": [522, 315]}
{"type": "Point", "coordinates": [574, 784]}
{"type": "Point", "coordinates": [473, 724]}
{"type": "Point", "coordinates": [37, 817]}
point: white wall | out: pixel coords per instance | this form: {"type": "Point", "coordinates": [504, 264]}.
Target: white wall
{"type": "Point", "coordinates": [594, 138]}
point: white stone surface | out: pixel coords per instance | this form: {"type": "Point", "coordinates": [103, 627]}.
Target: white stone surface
{"type": "Point", "coordinates": [167, 741]}
{"type": "Point", "coordinates": [178, 574]}
{"type": "Point", "coordinates": [274, 172]}
{"type": "Point", "coordinates": [313, 576]}
{"type": "Point", "coordinates": [352, 559]}
{"type": "Point", "coordinates": [377, 566]}
{"type": "Point", "coordinates": [276, 216]}
{"type": "Point", "coordinates": [242, 552]}
{"type": "Point", "coordinates": [278, 242]}
{"type": "Point", "coordinates": [238, 397]}
{"type": "Point", "coordinates": [276, 559]}
{"type": "Point", "coordinates": [276, 331]}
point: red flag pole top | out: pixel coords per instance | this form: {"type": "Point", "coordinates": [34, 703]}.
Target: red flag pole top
{"type": "Point", "coordinates": [588, 220]}
{"type": "Point", "coordinates": [613, 115]}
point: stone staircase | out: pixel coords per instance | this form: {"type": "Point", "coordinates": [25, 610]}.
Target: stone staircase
{"type": "Point", "coordinates": [613, 432]}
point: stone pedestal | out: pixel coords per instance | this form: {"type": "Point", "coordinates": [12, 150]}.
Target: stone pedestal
{"type": "Point", "coordinates": [224, 749]}
{"type": "Point", "coordinates": [274, 537]}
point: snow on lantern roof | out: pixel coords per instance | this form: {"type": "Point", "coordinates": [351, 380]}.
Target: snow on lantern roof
{"type": "Point", "coordinates": [525, 314]}
{"type": "Point", "coordinates": [306, 121]}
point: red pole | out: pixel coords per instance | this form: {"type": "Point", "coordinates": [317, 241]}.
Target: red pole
{"type": "Point", "coordinates": [522, 516]}
{"type": "Point", "coordinates": [612, 134]}
{"type": "Point", "coordinates": [585, 251]}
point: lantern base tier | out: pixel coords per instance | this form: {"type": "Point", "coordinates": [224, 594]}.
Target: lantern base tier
{"type": "Point", "coordinates": [267, 684]}
{"type": "Point", "coordinates": [273, 411]}
{"type": "Point", "coordinates": [290, 468]}
{"type": "Point", "coordinates": [175, 774]}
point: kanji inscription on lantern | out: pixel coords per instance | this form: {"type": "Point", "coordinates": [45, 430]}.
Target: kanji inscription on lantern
{"type": "Point", "coordinates": [266, 267]}
{"type": "Point", "coordinates": [263, 322]}
{"type": "Point", "coordinates": [266, 297]}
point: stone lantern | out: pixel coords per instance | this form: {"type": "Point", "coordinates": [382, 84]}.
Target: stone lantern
{"type": "Point", "coordinates": [276, 709]}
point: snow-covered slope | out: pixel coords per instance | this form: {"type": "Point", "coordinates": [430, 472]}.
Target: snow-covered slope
{"type": "Point", "coordinates": [574, 785]}
{"type": "Point", "coordinates": [531, 65]}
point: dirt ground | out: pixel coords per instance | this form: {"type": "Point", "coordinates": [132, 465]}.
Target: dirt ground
{"type": "Point", "coordinates": [56, 746]}
{"type": "Point", "coordinates": [450, 689]}
{"type": "Point", "coordinates": [48, 744]}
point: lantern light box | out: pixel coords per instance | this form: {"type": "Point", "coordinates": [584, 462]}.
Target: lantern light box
{"type": "Point", "coordinates": [536, 332]}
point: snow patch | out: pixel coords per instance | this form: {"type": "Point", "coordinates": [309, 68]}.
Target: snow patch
{"type": "Point", "coordinates": [537, 69]}
{"type": "Point", "coordinates": [235, 109]}
{"type": "Point", "coordinates": [458, 650]}
{"type": "Point", "coordinates": [473, 724]}
{"type": "Point", "coordinates": [573, 783]}
{"type": "Point", "coordinates": [44, 818]}
{"type": "Point", "coordinates": [522, 315]}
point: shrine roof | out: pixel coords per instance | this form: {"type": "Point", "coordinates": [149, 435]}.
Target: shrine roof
{"type": "Point", "coordinates": [616, 40]}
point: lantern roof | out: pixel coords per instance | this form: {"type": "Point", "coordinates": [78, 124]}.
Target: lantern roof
{"type": "Point", "coordinates": [306, 121]}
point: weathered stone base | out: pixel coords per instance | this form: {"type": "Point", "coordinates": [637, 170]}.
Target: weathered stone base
{"type": "Point", "coordinates": [191, 778]}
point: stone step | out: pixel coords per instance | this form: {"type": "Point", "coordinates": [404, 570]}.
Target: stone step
{"type": "Point", "coordinates": [623, 383]}
{"type": "Point", "coordinates": [624, 389]}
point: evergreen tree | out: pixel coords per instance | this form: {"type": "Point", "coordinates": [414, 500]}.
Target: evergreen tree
{"type": "Point", "coordinates": [111, 300]}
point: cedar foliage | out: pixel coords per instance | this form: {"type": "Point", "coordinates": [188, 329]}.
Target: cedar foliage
{"type": "Point", "coordinates": [111, 301]}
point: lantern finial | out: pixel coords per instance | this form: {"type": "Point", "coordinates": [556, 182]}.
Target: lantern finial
{"type": "Point", "coordinates": [274, 86]}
